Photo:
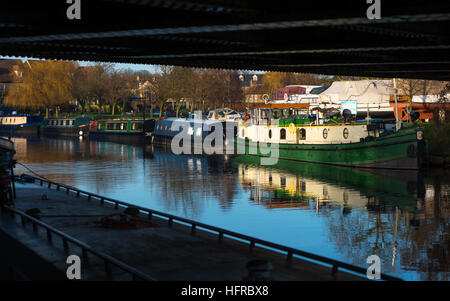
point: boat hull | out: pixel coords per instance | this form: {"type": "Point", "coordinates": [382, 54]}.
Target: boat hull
{"type": "Point", "coordinates": [65, 131]}
{"type": "Point", "coordinates": [400, 150]}
{"type": "Point", "coordinates": [14, 130]}
{"type": "Point", "coordinates": [124, 137]}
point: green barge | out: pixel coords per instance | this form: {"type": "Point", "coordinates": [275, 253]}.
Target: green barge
{"type": "Point", "coordinates": [357, 144]}
{"type": "Point", "coordinates": [121, 130]}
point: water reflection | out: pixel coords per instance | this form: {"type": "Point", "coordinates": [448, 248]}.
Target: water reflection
{"type": "Point", "coordinates": [343, 213]}
{"type": "Point", "coordinates": [400, 216]}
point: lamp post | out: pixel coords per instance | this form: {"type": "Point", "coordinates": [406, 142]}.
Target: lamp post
{"type": "Point", "coordinates": [241, 78]}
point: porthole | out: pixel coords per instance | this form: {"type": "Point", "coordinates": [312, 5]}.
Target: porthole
{"type": "Point", "coordinates": [270, 134]}
{"type": "Point", "coordinates": [345, 133]}
{"type": "Point", "coordinates": [325, 133]}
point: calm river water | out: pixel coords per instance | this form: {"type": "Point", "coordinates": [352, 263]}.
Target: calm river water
{"type": "Point", "coordinates": [340, 213]}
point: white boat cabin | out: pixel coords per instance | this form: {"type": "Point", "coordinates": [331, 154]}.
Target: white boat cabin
{"type": "Point", "coordinates": [13, 120]}
{"type": "Point", "coordinates": [293, 124]}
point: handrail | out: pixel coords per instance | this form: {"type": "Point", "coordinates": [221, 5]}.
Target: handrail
{"type": "Point", "coordinates": [221, 232]}
{"type": "Point", "coordinates": [85, 248]}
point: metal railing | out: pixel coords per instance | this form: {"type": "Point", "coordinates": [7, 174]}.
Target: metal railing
{"type": "Point", "coordinates": [290, 252]}
{"type": "Point", "coordinates": [85, 249]}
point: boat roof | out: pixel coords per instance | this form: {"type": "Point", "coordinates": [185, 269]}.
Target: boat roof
{"type": "Point", "coordinates": [175, 119]}
{"type": "Point", "coordinates": [119, 119]}
{"type": "Point", "coordinates": [282, 106]}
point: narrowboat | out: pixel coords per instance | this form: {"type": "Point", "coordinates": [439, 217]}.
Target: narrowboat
{"type": "Point", "coordinates": [121, 130]}
{"type": "Point", "coordinates": [72, 127]}
{"type": "Point", "coordinates": [194, 131]}
{"type": "Point", "coordinates": [292, 134]}
{"type": "Point", "coordinates": [20, 125]}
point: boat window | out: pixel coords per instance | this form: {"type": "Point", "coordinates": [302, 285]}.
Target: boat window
{"type": "Point", "coordinates": [71, 122]}
{"type": "Point", "coordinates": [345, 133]}
{"type": "Point", "coordinates": [282, 134]}
{"type": "Point", "coordinates": [302, 134]}
{"type": "Point", "coordinates": [136, 126]}
{"type": "Point", "coordinates": [67, 122]}
{"type": "Point", "coordinates": [61, 122]}
{"type": "Point", "coordinates": [325, 133]}
{"type": "Point", "coordinates": [110, 126]}
{"type": "Point", "coordinates": [270, 134]}
{"type": "Point", "coordinates": [99, 125]}
{"type": "Point", "coordinates": [123, 126]}
{"type": "Point", "coordinates": [283, 181]}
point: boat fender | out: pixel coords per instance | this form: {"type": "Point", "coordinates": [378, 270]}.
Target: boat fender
{"type": "Point", "coordinates": [292, 128]}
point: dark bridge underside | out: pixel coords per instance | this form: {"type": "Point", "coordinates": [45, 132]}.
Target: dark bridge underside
{"type": "Point", "coordinates": [411, 39]}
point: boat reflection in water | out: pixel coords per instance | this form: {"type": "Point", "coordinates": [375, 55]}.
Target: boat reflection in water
{"type": "Point", "coordinates": [403, 217]}
{"type": "Point", "coordinates": [337, 212]}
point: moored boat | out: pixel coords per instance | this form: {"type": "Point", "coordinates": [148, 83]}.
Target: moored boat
{"type": "Point", "coordinates": [294, 135]}
{"type": "Point", "coordinates": [73, 127]}
{"type": "Point", "coordinates": [193, 131]}
{"type": "Point", "coordinates": [20, 125]}
{"type": "Point", "coordinates": [121, 130]}
{"type": "Point", "coordinates": [6, 165]}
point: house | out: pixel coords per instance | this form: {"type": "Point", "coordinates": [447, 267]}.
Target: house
{"type": "Point", "coordinates": [253, 89]}
{"type": "Point", "coordinates": [284, 93]}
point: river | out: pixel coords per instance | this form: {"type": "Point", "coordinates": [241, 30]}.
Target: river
{"type": "Point", "coordinates": [341, 213]}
